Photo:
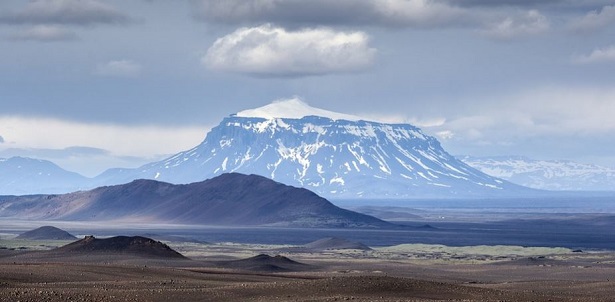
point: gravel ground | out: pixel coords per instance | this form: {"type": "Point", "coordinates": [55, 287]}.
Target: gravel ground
{"type": "Point", "coordinates": [33, 277]}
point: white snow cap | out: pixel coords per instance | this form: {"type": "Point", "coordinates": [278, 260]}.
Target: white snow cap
{"type": "Point", "coordinates": [294, 108]}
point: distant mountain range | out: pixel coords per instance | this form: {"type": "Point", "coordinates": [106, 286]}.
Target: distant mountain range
{"type": "Point", "coordinates": [20, 176]}
{"type": "Point", "coordinates": [336, 155]}
{"type": "Point", "coordinates": [228, 199]}
{"type": "Point", "coordinates": [546, 174]}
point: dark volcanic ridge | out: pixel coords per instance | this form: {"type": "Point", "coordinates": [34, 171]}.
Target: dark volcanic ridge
{"type": "Point", "coordinates": [336, 243]}
{"type": "Point", "coordinates": [266, 263]}
{"type": "Point", "coordinates": [47, 233]}
{"type": "Point", "coordinates": [173, 238]}
{"type": "Point", "coordinates": [535, 261]}
{"type": "Point", "coordinates": [229, 199]}
{"type": "Point", "coordinates": [136, 246]}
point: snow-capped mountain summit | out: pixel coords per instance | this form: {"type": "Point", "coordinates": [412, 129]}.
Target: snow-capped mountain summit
{"type": "Point", "coordinates": [294, 108]}
{"type": "Point", "coordinates": [333, 154]}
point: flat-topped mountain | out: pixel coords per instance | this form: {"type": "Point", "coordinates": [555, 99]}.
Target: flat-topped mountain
{"type": "Point", "coordinates": [336, 155]}
{"type": "Point", "coordinates": [228, 199]}
{"type": "Point", "coordinates": [46, 233]}
{"type": "Point", "coordinates": [332, 154]}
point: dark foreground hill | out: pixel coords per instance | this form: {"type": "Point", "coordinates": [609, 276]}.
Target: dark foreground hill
{"type": "Point", "coordinates": [229, 199]}
{"type": "Point", "coordinates": [335, 243]}
{"type": "Point", "coordinates": [137, 246]}
{"type": "Point", "coordinates": [266, 263]}
{"type": "Point", "coordinates": [47, 233]}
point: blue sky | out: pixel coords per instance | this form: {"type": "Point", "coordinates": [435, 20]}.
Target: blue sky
{"type": "Point", "coordinates": [93, 84]}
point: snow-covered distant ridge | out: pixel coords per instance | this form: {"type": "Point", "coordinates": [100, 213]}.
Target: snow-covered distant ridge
{"type": "Point", "coordinates": [546, 174]}
{"type": "Point", "coordinates": [21, 175]}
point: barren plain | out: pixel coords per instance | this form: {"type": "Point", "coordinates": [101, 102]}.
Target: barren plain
{"type": "Point", "coordinates": [33, 271]}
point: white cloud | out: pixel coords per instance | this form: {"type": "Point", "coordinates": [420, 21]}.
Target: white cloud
{"type": "Point", "coordinates": [119, 68]}
{"type": "Point", "coordinates": [571, 110]}
{"type": "Point", "coordinates": [1, 139]}
{"type": "Point", "coordinates": [600, 55]}
{"type": "Point", "coordinates": [546, 113]}
{"type": "Point", "coordinates": [44, 33]}
{"type": "Point", "coordinates": [401, 118]}
{"type": "Point", "coordinates": [595, 20]}
{"type": "Point", "coordinates": [445, 134]}
{"type": "Point", "coordinates": [75, 12]}
{"type": "Point", "coordinates": [274, 51]}
{"type": "Point", "coordinates": [528, 24]}
{"type": "Point", "coordinates": [389, 13]}
{"type": "Point", "coordinates": [420, 13]}
{"type": "Point", "coordinates": [120, 141]}
{"type": "Point", "coordinates": [427, 122]}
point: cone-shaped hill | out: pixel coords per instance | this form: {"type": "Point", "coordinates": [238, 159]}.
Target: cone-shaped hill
{"type": "Point", "coordinates": [266, 263]}
{"type": "Point", "coordinates": [137, 246]}
{"type": "Point", "coordinates": [46, 233]}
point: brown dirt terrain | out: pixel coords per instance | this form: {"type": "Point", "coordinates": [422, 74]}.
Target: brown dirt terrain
{"type": "Point", "coordinates": [30, 276]}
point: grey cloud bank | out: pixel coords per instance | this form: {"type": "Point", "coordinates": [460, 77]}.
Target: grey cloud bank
{"type": "Point", "coordinates": [595, 20]}
{"type": "Point", "coordinates": [394, 13]}
{"type": "Point", "coordinates": [54, 153]}
{"type": "Point", "coordinates": [73, 12]}
{"type": "Point", "coordinates": [500, 77]}
{"type": "Point", "coordinates": [599, 55]}
{"type": "Point", "coordinates": [118, 68]}
{"type": "Point", "coordinates": [44, 33]}
{"type": "Point", "coordinates": [528, 24]}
